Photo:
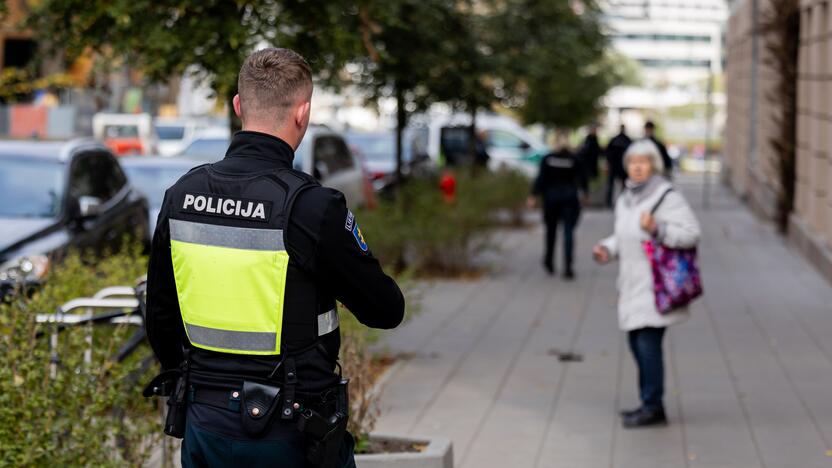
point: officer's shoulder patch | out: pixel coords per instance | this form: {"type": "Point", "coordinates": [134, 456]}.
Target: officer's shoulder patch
{"type": "Point", "coordinates": [225, 206]}
{"type": "Point", "coordinates": [359, 237]}
{"type": "Point", "coordinates": [350, 222]}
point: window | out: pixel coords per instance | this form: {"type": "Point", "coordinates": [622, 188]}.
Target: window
{"type": "Point", "coordinates": [30, 187]}
{"type": "Point", "coordinates": [332, 155]}
{"type": "Point", "coordinates": [170, 132]}
{"type": "Point", "coordinates": [503, 139]}
{"type": "Point", "coordinates": [207, 149]}
{"type": "Point", "coordinates": [96, 175]}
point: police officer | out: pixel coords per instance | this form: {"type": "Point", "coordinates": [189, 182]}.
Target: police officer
{"type": "Point", "coordinates": [650, 134]}
{"type": "Point", "coordinates": [615, 163]}
{"type": "Point", "coordinates": [248, 260]}
{"type": "Point", "coordinates": [560, 179]}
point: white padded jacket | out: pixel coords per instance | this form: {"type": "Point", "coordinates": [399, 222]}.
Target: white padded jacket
{"type": "Point", "coordinates": [678, 228]}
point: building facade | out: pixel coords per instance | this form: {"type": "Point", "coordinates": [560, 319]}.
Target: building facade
{"type": "Point", "coordinates": [757, 113]}
{"type": "Point", "coordinates": [678, 47]}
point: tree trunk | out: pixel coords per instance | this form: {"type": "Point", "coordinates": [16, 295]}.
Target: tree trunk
{"type": "Point", "coordinates": [401, 123]}
{"type": "Point", "coordinates": [472, 135]}
{"type": "Point", "coordinates": [234, 122]}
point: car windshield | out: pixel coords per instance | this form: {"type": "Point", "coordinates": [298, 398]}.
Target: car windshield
{"type": "Point", "coordinates": [378, 147]}
{"type": "Point", "coordinates": [154, 180]}
{"type": "Point", "coordinates": [30, 188]}
{"type": "Point", "coordinates": [170, 132]}
{"type": "Point", "coordinates": [207, 149]}
{"type": "Point", "coordinates": [121, 131]}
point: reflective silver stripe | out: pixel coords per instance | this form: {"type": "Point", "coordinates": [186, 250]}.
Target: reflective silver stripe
{"type": "Point", "coordinates": [226, 236]}
{"type": "Point", "coordinates": [232, 340]}
{"type": "Point", "coordinates": [327, 322]}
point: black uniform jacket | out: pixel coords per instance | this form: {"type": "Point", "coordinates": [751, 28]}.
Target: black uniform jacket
{"type": "Point", "coordinates": [320, 249]}
{"type": "Point", "coordinates": [560, 177]}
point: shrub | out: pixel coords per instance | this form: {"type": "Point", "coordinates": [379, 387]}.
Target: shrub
{"type": "Point", "coordinates": [418, 229]}
{"type": "Point", "coordinates": [89, 414]}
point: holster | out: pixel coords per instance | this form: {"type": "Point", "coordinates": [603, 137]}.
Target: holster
{"type": "Point", "coordinates": [173, 384]}
{"type": "Point", "coordinates": [258, 407]}
{"type": "Point", "coordinates": [326, 434]}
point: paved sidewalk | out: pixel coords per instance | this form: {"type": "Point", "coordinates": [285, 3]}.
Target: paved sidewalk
{"type": "Point", "coordinates": [749, 377]}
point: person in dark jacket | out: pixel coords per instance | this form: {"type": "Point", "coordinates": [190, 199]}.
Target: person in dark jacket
{"type": "Point", "coordinates": [247, 262]}
{"type": "Point", "coordinates": [650, 134]}
{"type": "Point", "coordinates": [562, 185]}
{"type": "Point", "coordinates": [590, 152]}
{"type": "Point", "coordinates": [615, 162]}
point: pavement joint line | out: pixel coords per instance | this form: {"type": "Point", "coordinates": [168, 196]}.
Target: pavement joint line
{"type": "Point", "coordinates": [777, 357]}
{"type": "Point", "coordinates": [461, 359]}
{"type": "Point", "coordinates": [733, 378]}
{"type": "Point", "coordinates": [504, 380]}
{"type": "Point", "coordinates": [810, 291]}
{"type": "Point", "coordinates": [678, 385]}
{"type": "Point", "coordinates": [566, 366]}
{"type": "Point", "coordinates": [617, 400]}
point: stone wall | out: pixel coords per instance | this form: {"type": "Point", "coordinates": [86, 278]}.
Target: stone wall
{"type": "Point", "coordinates": [751, 162]}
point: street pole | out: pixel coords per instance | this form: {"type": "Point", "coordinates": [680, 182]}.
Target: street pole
{"type": "Point", "coordinates": [709, 118]}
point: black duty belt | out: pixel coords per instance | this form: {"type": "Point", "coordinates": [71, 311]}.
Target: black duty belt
{"type": "Point", "coordinates": [229, 399]}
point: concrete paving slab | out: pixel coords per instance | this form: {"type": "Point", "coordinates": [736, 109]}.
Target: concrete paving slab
{"type": "Point", "coordinates": [747, 377]}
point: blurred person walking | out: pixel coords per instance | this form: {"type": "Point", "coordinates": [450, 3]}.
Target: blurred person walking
{"type": "Point", "coordinates": [615, 162]}
{"type": "Point", "coordinates": [590, 152]}
{"type": "Point", "coordinates": [561, 183]}
{"type": "Point", "coordinates": [674, 225]}
{"type": "Point", "coordinates": [667, 161]}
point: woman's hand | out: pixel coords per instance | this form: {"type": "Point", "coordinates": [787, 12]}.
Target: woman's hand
{"type": "Point", "coordinates": [648, 223]}
{"type": "Point", "coordinates": [601, 254]}
{"type": "Point", "coordinates": [531, 202]}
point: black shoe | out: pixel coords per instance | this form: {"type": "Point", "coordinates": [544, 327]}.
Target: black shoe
{"type": "Point", "coordinates": [629, 412]}
{"type": "Point", "coordinates": [549, 267]}
{"type": "Point", "coordinates": [644, 418]}
{"type": "Point", "coordinates": [568, 274]}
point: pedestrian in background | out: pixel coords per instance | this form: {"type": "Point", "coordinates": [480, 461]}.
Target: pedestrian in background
{"type": "Point", "coordinates": [667, 161]}
{"type": "Point", "coordinates": [590, 151]}
{"type": "Point", "coordinates": [615, 162]}
{"type": "Point", "coordinates": [674, 225]}
{"type": "Point", "coordinates": [561, 184]}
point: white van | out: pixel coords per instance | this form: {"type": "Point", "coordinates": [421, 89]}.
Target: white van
{"type": "Point", "coordinates": [508, 144]}
{"type": "Point", "coordinates": [125, 134]}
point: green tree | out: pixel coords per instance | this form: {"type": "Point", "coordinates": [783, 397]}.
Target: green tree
{"type": "Point", "coordinates": [163, 38]}
{"type": "Point", "coordinates": [553, 65]}
{"type": "Point", "coordinates": [412, 55]}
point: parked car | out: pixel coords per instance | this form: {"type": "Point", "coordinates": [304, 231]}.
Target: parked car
{"type": "Point", "coordinates": [175, 134]}
{"type": "Point", "coordinates": [208, 145]}
{"type": "Point", "coordinates": [323, 153]}
{"type": "Point", "coordinates": [56, 196]}
{"type": "Point", "coordinates": [125, 133]}
{"type": "Point", "coordinates": [378, 153]}
{"type": "Point", "coordinates": [508, 144]}
{"type": "Point", "coordinates": [152, 175]}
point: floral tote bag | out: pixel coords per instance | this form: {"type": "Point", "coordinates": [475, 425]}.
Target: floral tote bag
{"type": "Point", "coordinates": [676, 278]}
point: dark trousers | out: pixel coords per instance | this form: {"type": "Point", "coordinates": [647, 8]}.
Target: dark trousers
{"type": "Point", "coordinates": [611, 182]}
{"type": "Point", "coordinates": [214, 439]}
{"type": "Point", "coordinates": [646, 345]}
{"type": "Point", "coordinates": [565, 212]}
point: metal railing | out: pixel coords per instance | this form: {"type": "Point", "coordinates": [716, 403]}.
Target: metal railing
{"type": "Point", "coordinates": [115, 304]}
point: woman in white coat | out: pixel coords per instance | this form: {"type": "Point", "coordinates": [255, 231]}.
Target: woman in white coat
{"type": "Point", "coordinates": [675, 226]}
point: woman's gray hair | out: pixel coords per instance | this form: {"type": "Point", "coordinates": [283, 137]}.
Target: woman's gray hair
{"type": "Point", "coordinates": [646, 147]}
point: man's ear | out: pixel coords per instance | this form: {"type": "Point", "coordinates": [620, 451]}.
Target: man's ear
{"type": "Point", "coordinates": [237, 109]}
{"type": "Point", "coordinates": [302, 114]}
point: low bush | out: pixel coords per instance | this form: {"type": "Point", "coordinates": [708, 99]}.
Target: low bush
{"type": "Point", "coordinates": [418, 229]}
{"type": "Point", "coordinates": [88, 413]}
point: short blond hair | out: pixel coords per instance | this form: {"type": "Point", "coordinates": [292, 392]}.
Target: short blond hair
{"type": "Point", "coordinates": [271, 81]}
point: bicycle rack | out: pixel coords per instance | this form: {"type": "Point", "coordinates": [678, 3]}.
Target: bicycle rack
{"type": "Point", "coordinates": [115, 299]}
